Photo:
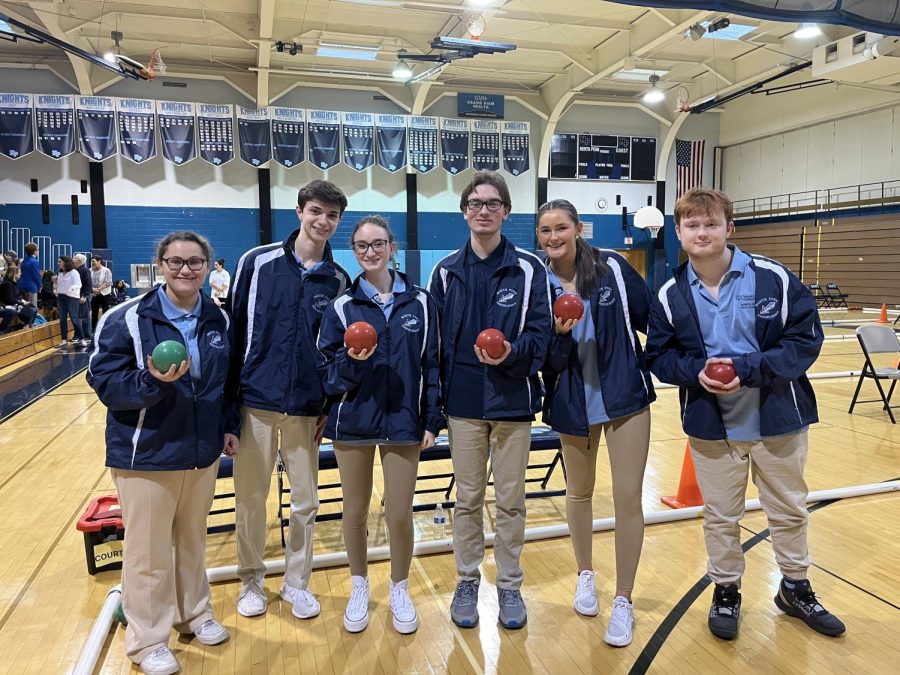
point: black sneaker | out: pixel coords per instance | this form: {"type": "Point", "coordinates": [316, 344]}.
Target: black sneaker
{"type": "Point", "coordinates": [725, 612]}
{"type": "Point", "coordinates": [796, 598]}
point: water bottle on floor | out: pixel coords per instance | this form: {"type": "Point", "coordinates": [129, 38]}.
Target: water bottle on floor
{"type": "Point", "coordinates": [440, 522]}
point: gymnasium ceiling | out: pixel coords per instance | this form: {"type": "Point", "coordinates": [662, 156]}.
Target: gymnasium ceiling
{"type": "Point", "coordinates": [566, 49]}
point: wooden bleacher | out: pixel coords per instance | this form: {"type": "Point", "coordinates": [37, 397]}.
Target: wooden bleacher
{"type": "Point", "coordinates": [21, 344]}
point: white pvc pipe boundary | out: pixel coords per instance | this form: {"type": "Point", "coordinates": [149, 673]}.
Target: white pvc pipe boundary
{"type": "Point", "coordinates": [90, 653]}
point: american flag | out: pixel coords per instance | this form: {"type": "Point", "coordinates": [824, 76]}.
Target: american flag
{"type": "Point", "coordinates": [688, 165]}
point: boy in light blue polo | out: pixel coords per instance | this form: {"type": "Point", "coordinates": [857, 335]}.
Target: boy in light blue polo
{"type": "Point", "coordinates": [724, 306]}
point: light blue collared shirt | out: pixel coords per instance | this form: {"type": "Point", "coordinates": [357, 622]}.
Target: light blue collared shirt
{"type": "Point", "coordinates": [371, 292]}
{"type": "Point", "coordinates": [186, 323]}
{"type": "Point", "coordinates": [728, 325]}
{"type": "Point", "coordinates": [303, 270]}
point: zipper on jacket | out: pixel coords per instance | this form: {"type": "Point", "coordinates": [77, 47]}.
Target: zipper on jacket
{"type": "Point", "coordinates": [286, 405]}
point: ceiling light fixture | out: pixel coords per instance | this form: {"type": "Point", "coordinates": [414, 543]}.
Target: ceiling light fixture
{"type": "Point", "coordinates": [696, 32]}
{"type": "Point", "coordinates": [113, 56]}
{"type": "Point", "coordinates": [402, 71]}
{"type": "Point", "coordinates": [719, 24]}
{"type": "Point", "coordinates": [654, 94]}
{"type": "Point", "coordinates": [806, 31]}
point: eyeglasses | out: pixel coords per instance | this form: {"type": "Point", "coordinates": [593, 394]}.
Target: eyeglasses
{"type": "Point", "coordinates": [362, 247]}
{"type": "Point", "coordinates": [194, 264]}
{"type": "Point", "coordinates": [493, 205]}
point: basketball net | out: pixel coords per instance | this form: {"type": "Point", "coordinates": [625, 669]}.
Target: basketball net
{"type": "Point", "coordinates": [654, 230]}
{"type": "Point", "coordinates": [154, 67]}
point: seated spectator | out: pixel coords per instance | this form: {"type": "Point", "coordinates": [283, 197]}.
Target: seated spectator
{"type": "Point", "coordinates": [120, 292]}
{"type": "Point", "coordinates": [11, 305]}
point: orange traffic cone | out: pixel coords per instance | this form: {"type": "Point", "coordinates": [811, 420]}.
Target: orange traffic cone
{"type": "Point", "coordinates": [688, 491]}
{"type": "Point", "coordinates": [883, 317]}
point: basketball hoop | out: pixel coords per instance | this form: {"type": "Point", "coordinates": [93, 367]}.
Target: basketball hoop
{"type": "Point", "coordinates": [682, 96]}
{"type": "Point", "coordinates": [154, 66]}
{"type": "Point", "coordinates": [651, 219]}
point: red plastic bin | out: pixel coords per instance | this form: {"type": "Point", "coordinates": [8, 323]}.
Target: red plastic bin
{"type": "Point", "coordinates": [104, 534]}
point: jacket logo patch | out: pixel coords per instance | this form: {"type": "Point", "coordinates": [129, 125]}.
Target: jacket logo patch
{"type": "Point", "coordinates": [214, 340]}
{"type": "Point", "coordinates": [320, 302]}
{"type": "Point", "coordinates": [767, 308]}
{"type": "Point", "coordinates": [411, 323]}
{"type": "Point", "coordinates": [605, 296]}
{"type": "Point", "coordinates": [506, 297]}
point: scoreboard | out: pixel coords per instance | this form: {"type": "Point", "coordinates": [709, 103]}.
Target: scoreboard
{"type": "Point", "coordinates": [586, 156]}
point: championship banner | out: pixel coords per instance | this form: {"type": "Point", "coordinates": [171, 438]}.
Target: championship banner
{"type": "Point", "coordinates": [359, 139]}
{"type": "Point", "coordinates": [454, 145]}
{"type": "Point", "coordinates": [55, 120]}
{"type": "Point", "coordinates": [515, 147]}
{"type": "Point", "coordinates": [96, 117]}
{"type": "Point", "coordinates": [485, 145]}
{"type": "Point", "coordinates": [177, 124]}
{"type": "Point", "coordinates": [137, 129]}
{"type": "Point", "coordinates": [254, 135]}
{"type": "Point", "coordinates": [324, 138]}
{"type": "Point", "coordinates": [16, 128]}
{"type": "Point", "coordinates": [288, 132]}
{"type": "Point", "coordinates": [216, 132]}
{"type": "Point", "coordinates": [390, 136]}
{"type": "Point", "coordinates": [423, 152]}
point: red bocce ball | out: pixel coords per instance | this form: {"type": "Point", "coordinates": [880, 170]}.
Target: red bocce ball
{"type": "Point", "coordinates": [491, 340]}
{"type": "Point", "coordinates": [723, 372]}
{"type": "Point", "coordinates": [568, 307]}
{"type": "Point", "coordinates": [360, 335]}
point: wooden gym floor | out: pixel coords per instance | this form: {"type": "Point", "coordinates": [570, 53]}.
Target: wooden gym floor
{"type": "Point", "coordinates": [53, 466]}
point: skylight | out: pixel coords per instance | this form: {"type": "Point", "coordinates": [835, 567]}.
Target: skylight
{"type": "Point", "coordinates": [734, 32]}
{"type": "Point", "coordinates": [339, 51]}
{"type": "Point", "coordinates": [638, 74]}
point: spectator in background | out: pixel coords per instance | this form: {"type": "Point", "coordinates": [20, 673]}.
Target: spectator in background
{"type": "Point", "coordinates": [30, 276]}
{"type": "Point", "coordinates": [68, 293]}
{"type": "Point", "coordinates": [101, 288]}
{"type": "Point", "coordinates": [83, 317]}
{"type": "Point", "coordinates": [47, 296]}
{"type": "Point", "coordinates": [119, 292]}
{"type": "Point", "coordinates": [9, 300]}
{"type": "Point", "coordinates": [9, 258]}
{"type": "Point", "coordinates": [219, 281]}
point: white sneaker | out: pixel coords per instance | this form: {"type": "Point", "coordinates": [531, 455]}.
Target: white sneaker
{"type": "Point", "coordinates": [64, 343]}
{"type": "Point", "coordinates": [305, 605]}
{"type": "Point", "coordinates": [621, 623]}
{"type": "Point", "coordinates": [356, 616]}
{"type": "Point", "coordinates": [211, 632]}
{"type": "Point", "coordinates": [252, 599]}
{"type": "Point", "coordinates": [160, 662]}
{"type": "Point", "coordinates": [405, 618]}
{"type": "Point", "coordinates": [586, 594]}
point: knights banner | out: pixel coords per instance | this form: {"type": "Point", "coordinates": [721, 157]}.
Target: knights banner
{"type": "Point", "coordinates": [324, 138]}
{"type": "Point", "coordinates": [177, 125]}
{"type": "Point", "coordinates": [515, 147]}
{"type": "Point", "coordinates": [423, 137]}
{"type": "Point", "coordinates": [359, 139]}
{"type": "Point", "coordinates": [96, 116]}
{"type": "Point", "coordinates": [216, 132]}
{"type": "Point", "coordinates": [485, 145]}
{"type": "Point", "coordinates": [137, 129]}
{"type": "Point", "coordinates": [390, 137]}
{"type": "Point", "coordinates": [254, 135]}
{"type": "Point", "coordinates": [16, 127]}
{"type": "Point", "coordinates": [54, 116]}
{"type": "Point", "coordinates": [288, 131]}
{"type": "Point", "coordinates": [454, 145]}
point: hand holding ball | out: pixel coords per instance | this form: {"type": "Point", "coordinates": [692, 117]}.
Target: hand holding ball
{"type": "Point", "coordinates": [568, 307]}
{"type": "Point", "coordinates": [721, 372]}
{"type": "Point", "coordinates": [491, 341]}
{"type": "Point", "coordinates": [360, 335]}
{"type": "Point", "coordinates": [168, 353]}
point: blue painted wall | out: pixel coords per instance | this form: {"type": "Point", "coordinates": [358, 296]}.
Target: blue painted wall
{"type": "Point", "coordinates": [61, 228]}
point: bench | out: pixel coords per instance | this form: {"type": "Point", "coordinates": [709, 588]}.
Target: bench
{"type": "Point", "coordinates": [21, 344]}
{"type": "Point", "coordinates": [542, 439]}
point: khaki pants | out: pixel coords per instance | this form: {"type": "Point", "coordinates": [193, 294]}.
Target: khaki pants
{"type": "Point", "coordinates": [399, 466]}
{"type": "Point", "coordinates": [164, 582]}
{"type": "Point", "coordinates": [627, 440]}
{"type": "Point", "coordinates": [253, 467]}
{"type": "Point", "coordinates": [777, 464]}
{"type": "Point", "coordinates": [508, 444]}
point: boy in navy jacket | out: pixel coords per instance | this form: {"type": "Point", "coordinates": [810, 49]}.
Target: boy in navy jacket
{"type": "Point", "coordinates": [727, 307]}
{"type": "Point", "coordinates": [490, 403]}
{"type": "Point", "coordinates": [279, 294]}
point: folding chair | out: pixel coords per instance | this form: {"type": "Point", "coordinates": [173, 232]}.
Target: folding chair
{"type": "Point", "coordinates": [875, 339]}
{"type": "Point", "coordinates": [822, 299]}
{"type": "Point", "coordinates": [837, 298]}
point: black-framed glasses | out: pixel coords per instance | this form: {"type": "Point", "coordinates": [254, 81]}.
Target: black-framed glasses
{"type": "Point", "coordinates": [193, 264]}
{"type": "Point", "coordinates": [493, 205]}
{"type": "Point", "coordinates": [362, 247]}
